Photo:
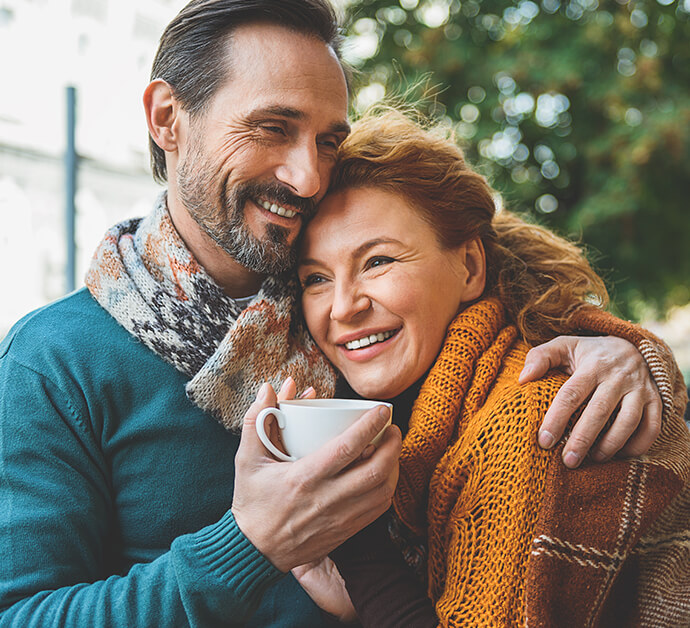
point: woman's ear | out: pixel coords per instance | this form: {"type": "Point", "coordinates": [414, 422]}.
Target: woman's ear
{"type": "Point", "coordinates": [474, 261]}
{"type": "Point", "coordinates": [163, 115]}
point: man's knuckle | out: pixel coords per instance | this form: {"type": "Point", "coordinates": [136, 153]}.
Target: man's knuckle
{"type": "Point", "coordinates": [654, 425]}
{"type": "Point", "coordinates": [599, 408]}
{"type": "Point", "coordinates": [375, 476]}
{"type": "Point", "coordinates": [570, 396]}
{"type": "Point", "coordinates": [298, 483]}
{"type": "Point", "coordinates": [579, 441]}
{"type": "Point", "coordinates": [345, 450]}
{"type": "Point", "coordinates": [655, 405]}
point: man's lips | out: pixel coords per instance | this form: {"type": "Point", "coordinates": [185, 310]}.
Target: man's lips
{"type": "Point", "coordinates": [275, 208]}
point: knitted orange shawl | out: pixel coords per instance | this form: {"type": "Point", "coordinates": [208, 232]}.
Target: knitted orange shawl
{"type": "Point", "coordinates": [515, 538]}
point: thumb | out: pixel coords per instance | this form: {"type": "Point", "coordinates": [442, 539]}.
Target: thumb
{"type": "Point", "coordinates": [250, 445]}
{"type": "Point", "coordinates": [541, 359]}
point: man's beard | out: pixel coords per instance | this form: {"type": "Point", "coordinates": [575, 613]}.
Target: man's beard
{"type": "Point", "coordinates": [220, 213]}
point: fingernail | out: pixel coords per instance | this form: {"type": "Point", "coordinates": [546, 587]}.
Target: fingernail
{"type": "Point", "coordinates": [526, 372]}
{"type": "Point", "coordinates": [288, 379]}
{"type": "Point", "coordinates": [546, 439]}
{"type": "Point", "coordinates": [571, 459]}
{"type": "Point", "coordinates": [263, 392]}
{"type": "Point", "coordinates": [384, 412]}
{"type": "Point", "coordinates": [307, 392]}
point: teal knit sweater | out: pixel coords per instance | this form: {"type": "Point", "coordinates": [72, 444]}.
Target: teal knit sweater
{"type": "Point", "coordinates": [115, 490]}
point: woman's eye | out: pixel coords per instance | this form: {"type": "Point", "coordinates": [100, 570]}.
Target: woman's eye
{"type": "Point", "coordinates": [312, 280]}
{"type": "Point", "coordinates": [379, 260]}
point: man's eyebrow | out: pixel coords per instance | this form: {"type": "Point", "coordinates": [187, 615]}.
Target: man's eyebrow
{"type": "Point", "coordinates": [295, 114]}
{"type": "Point", "coordinates": [341, 127]}
{"type": "Point", "coordinates": [360, 250]}
{"type": "Point", "coordinates": [277, 110]}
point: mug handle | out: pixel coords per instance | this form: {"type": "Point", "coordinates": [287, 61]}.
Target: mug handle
{"type": "Point", "coordinates": [263, 437]}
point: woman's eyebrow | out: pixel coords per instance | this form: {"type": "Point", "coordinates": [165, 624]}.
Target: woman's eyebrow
{"type": "Point", "coordinates": [370, 244]}
{"type": "Point", "coordinates": [358, 252]}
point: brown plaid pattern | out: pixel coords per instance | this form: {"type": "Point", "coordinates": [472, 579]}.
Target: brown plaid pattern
{"type": "Point", "coordinates": [612, 545]}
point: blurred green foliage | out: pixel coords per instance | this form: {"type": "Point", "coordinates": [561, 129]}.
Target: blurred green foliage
{"type": "Point", "coordinates": [578, 111]}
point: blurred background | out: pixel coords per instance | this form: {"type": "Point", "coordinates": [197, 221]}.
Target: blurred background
{"type": "Point", "coordinates": [578, 111]}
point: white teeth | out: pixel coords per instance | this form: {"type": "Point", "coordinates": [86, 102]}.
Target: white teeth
{"type": "Point", "coordinates": [274, 208]}
{"type": "Point", "coordinates": [368, 340]}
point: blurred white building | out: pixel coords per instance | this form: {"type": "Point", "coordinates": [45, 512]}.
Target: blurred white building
{"type": "Point", "coordinates": [104, 48]}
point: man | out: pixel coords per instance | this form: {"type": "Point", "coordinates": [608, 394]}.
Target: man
{"type": "Point", "coordinates": [121, 500]}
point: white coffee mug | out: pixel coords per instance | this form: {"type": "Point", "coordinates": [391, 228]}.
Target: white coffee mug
{"type": "Point", "coordinates": [307, 424]}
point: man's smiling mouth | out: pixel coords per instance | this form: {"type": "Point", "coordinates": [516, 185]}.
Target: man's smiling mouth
{"type": "Point", "coordinates": [274, 208]}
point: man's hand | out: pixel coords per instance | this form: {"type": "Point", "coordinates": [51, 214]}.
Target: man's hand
{"type": "Point", "coordinates": [297, 512]}
{"type": "Point", "coordinates": [616, 376]}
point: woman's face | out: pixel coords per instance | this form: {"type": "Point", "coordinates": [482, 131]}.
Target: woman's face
{"type": "Point", "coordinates": [379, 291]}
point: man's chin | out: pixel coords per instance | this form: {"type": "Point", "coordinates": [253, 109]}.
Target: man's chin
{"type": "Point", "coordinates": [282, 228]}
{"type": "Point", "coordinates": [266, 257]}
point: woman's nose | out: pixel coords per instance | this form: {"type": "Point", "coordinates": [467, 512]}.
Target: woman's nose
{"type": "Point", "coordinates": [348, 302]}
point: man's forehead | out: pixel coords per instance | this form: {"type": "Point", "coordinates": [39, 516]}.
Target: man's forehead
{"type": "Point", "coordinates": [278, 52]}
{"type": "Point", "coordinates": [274, 70]}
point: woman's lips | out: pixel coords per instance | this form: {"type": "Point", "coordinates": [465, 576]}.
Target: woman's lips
{"type": "Point", "coordinates": [362, 353]}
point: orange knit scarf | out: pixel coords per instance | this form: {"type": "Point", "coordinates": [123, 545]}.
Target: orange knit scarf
{"type": "Point", "coordinates": [473, 478]}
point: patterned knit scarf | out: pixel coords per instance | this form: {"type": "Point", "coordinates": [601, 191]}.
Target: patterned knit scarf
{"type": "Point", "coordinates": [145, 277]}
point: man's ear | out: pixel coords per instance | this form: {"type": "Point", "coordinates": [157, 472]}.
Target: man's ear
{"type": "Point", "coordinates": [163, 115]}
{"type": "Point", "coordinates": [474, 260]}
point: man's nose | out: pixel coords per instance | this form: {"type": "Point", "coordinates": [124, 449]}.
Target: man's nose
{"type": "Point", "coordinates": [300, 169]}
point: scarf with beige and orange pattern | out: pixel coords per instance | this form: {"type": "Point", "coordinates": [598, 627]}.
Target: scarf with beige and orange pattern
{"type": "Point", "coordinates": [145, 277]}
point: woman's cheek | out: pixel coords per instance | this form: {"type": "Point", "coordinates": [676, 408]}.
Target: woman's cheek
{"type": "Point", "coordinates": [316, 315]}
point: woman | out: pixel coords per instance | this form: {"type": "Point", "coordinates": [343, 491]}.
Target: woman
{"type": "Point", "coordinates": [417, 291]}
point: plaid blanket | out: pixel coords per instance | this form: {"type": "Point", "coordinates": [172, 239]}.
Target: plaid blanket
{"type": "Point", "coordinates": [625, 560]}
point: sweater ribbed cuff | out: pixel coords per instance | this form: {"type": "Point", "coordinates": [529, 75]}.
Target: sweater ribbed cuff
{"type": "Point", "coordinates": [232, 558]}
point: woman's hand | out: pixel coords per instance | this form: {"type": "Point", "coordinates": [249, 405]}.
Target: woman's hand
{"type": "Point", "coordinates": [616, 376]}
{"type": "Point", "coordinates": [323, 583]}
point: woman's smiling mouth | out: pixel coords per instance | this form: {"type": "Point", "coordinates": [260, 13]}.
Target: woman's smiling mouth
{"type": "Point", "coordinates": [370, 339]}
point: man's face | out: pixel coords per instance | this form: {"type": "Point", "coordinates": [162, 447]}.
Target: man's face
{"type": "Point", "coordinates": [259, 157]}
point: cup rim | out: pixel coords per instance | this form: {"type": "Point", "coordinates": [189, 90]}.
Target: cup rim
{"type": "Point", "coordinates": [335, 403]}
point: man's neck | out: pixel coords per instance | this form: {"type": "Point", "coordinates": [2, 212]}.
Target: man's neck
{"type": "Point", "coordinates": [235, 280]}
